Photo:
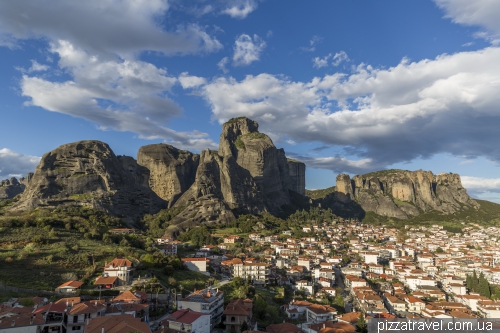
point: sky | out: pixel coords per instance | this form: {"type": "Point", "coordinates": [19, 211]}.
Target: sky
{"type": "Point", "coordinates": [344, 86]}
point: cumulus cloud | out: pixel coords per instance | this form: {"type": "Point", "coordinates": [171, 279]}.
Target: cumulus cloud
{"type": "Point", "coordinates": [123, 95]}
{"type": "Point", "coordinates": [339, 164]}
{"type": "Point", "coordinates": [482, 13]}
{"type": "Point", "coordinates": [383, 116]}
{"type": "Point", "coordinates": [321, 62]}
{"type": "Point", "coordinates": [102, 26]}
{"type": "Point", "coordinates": [339, 57]}
{"type": "Point", "coordinates": [13, 164]}
{"type": "Point", "coordinates": [247, 50]}
{"type": "Point", "coordinates": [479, 184]}
{"type": "Point", "coordinates": [239, 8]}
{"type": "Point", "coordinates": [189, 81]}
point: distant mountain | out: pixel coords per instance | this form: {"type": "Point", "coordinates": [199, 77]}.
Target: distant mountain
{"type": "Point", "coordinates": [398, 194]}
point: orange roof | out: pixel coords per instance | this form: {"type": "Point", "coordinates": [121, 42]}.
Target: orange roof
{"type": "Point", "coordinates": [117, 324]}
{"type": "Point", "coordinates": [119, 262]}
{"type": "Point", "coordinates": [71, 284]}
{"type": "Point", "coordinates": [106, 280]}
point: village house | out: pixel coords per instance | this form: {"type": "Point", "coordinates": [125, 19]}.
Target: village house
{"type": "Point", "coordinates": [69, 287]}
{"type": "Point", "coordinates": [238, 312]}
{"type": "Point", "coordinates": [121, 268]}
{"type": "Point", "coordinates": [196, 264]}
{"type": "Point", "coordinates": [187, 320]}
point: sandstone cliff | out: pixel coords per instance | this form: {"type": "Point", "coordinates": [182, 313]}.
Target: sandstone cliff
{"type": "Point", "coordinates": [248, 174]}
{"type": "Point", "coordinates": [88, 173]}
{"type": "Point", "coordinates": [172, 171]}
{"type": "Point", "coordinates": [402, 194]}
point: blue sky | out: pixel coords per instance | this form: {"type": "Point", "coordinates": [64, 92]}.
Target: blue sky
{"type": "Point", "coordinates": [344, 86]}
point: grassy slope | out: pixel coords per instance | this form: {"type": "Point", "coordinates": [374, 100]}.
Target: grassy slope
{"type": "Point", "coordinates": [488, 215]}
{"type": "Point", "coordinates": [318, 194]}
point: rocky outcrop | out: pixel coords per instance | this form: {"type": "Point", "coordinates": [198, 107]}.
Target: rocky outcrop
{"type": "Point", "coordinates": [172, 171]}
{"type": "Point", "coordinates": [88, 173]}
{"type": "Point", "coordinates": [402, 194]}
{"type": "Point", "coordinates": [248, 174]}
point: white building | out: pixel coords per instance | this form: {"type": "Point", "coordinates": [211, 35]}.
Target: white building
{"type": "Point", "coordinates": [209, 301]}
{"type": "Point", "coordinates": [188, 320]}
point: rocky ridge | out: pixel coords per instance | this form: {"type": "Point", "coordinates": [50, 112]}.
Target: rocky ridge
{"type": "Point", "coordinates": [248, 174]}
{"type": "Point", "coordinates": [402, 194]}
{"type": "Point", "coordinates": [88, 173]}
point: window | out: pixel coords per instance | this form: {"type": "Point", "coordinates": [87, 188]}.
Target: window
{"type": "Point", "coordinates": [76, 328]}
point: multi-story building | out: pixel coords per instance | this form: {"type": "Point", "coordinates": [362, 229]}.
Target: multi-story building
{"type": "Point", "coordinates": [121, 268]}
{"type": "Point", "coordinates": [82, 312]}
{"type": "Point", "coordinates": [209, 300]}
{"type": "Point", "coordinates": [256, 272]}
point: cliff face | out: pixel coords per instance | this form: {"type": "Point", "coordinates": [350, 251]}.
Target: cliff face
{"type": "Point", "coordinates": [88, 173]}
{"type": "Point", "coordinates": [297, 172]}
{"type": "Point", "coordinates": [400, 194]}
{"type": "Point", "coordinates": [172, 171]}
{"type": "Point", "coordinates": [247, 174]}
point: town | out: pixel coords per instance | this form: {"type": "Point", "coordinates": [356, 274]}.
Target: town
{"type": "Point", "coordinates": [337, 275]}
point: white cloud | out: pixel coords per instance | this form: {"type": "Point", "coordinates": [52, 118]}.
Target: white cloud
{"type": "Point", "coordinates": [13, 164]}
{"type": "Point", "coordinates": [479, 184]}
{"type": "Point", "coordinates": [222, 65]}
{"type": "Point", "coordinates": [240, 8]}
{"type": "Point", "coordinates": [247, 50]}
{"type": "Point", "coordinates": [124, 27]}
{"type": "Point", "coordinates": [412, 110]}
{"type": "Point", "coordinates": [123, 95]}
{"type": "Point", "coordinates": [339, 57]}
{"type": "Point", "coordinates": [36, 67]}
{"type": "Point", "coordinates": [188, 81]}
{"type": "Point", "coordinates": [321, 62]}
{"type": "Point", "coordinates": [482, 13]}
{"type": "Point", "coordinates": [312, 44]}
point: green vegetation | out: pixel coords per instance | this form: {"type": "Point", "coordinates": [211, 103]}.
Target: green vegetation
{"type": "Point", "coordinates": [255, 135]}
{"type": "Point", "coordinates": [235, 120]}
{"type": "Point", "coordinates": [487, 215]}
{"type": "Point", "coordinates": [482, 286]}
{"type": "Point", "coordinates": [382, 173]}
{"type": "Point", "coordinates": [157, 223]}
{"type": "Point", "coordinates": [239, 143]}
{"type": "Point", "coordinates": [40, 249]}
{"type": "Point", "coordinates": [318, 194]}
{"type": "Point", "coordinates": [82, 196]}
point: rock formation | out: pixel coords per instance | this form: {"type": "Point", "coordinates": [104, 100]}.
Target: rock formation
{"type": "Point", "coordinates": [9, 188]}
{"type": "Point", "coordinates": [401, 194]}
{"type": "Point", "coordinates": [172, 171]}
{"type": "Point", "coordinates": [248, 174]}
{"type": "Point", "coordinates": [88, 173]}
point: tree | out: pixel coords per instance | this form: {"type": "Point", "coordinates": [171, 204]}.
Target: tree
{"type": "Point", "coordinates": [244, 326]}
{"type": "Point", "coordinates": [439, 250]}
{"type": "Point", "coordinates": [361, 324]}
